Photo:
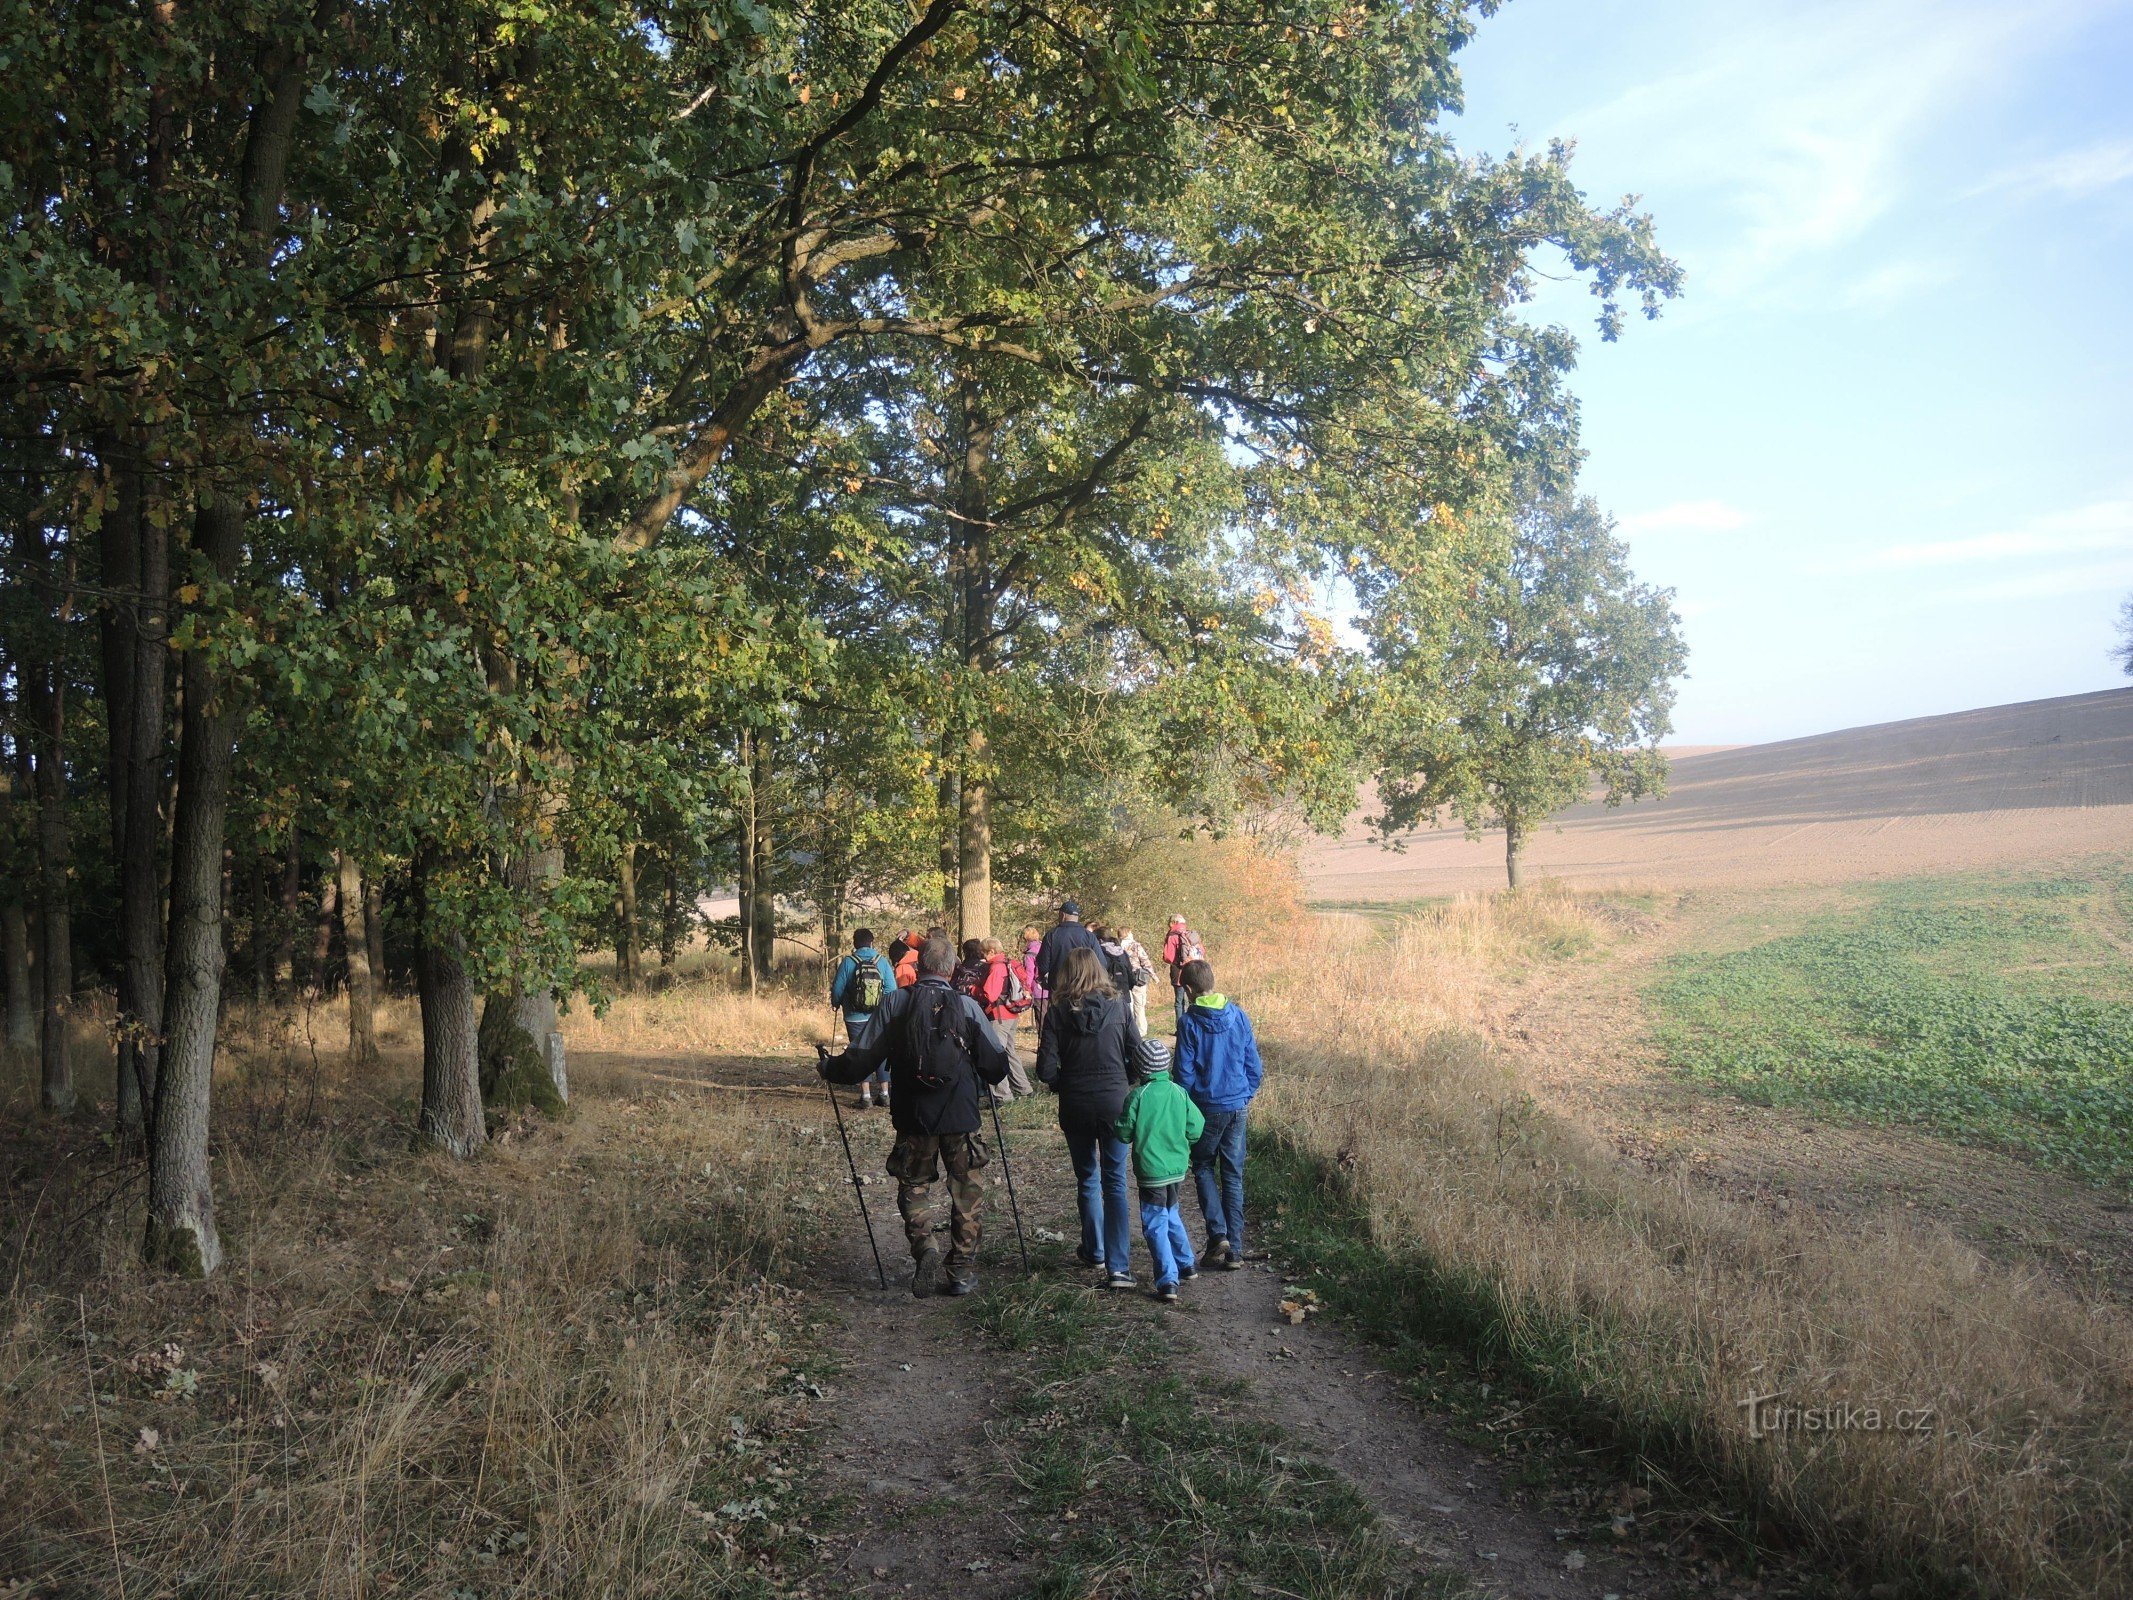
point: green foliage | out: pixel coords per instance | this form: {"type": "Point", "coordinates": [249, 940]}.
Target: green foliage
{"type": "Point", "coordinates": [1994, 1013]}
{"type": "Point", "coordinates": [1558, 671]}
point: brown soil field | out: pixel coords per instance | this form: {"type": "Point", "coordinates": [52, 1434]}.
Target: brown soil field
{"type": "Point", "coordinates": [2043, 781]}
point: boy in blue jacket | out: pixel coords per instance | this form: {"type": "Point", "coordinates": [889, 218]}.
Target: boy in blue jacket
{"type": "Point", "coordinates": [1218, 1065]}
{"type": "Point", "coordinates": [862, 981]}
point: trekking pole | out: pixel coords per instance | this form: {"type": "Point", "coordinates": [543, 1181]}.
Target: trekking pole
{"type": "Point", "coordinates": [866, 1216]}
{"type": "Point", "coordinates": [1007, 1171]}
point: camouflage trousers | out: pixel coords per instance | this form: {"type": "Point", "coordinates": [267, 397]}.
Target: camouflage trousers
{"type": "Point", "coordinates": [915, 1164]}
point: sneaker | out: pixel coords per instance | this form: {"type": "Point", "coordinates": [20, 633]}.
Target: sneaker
{"type": "Point", "coordinates": [959, 1282]}
{"type": "Point", "coordinates": [1088, 1260]}
{"type": "Point", "coordinates": [1228, 1262]}
{"type": "Point", "coordinates": [1188, 1272]}
{"type": "Point", "coordinates": [1215, 1250]}
{"type": "Point", "coordinates": [925, 1277]}
{"type": "Point", "coordinates": [1167, 1293]}
{"type": "Point", "coordinates": [1121, 1280]}
{"type": "Point", "coordinates": [865, 1102]}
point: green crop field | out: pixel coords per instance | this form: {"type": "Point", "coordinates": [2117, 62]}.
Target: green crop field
{"type": "Point", "coordinates": [1991, 1011]}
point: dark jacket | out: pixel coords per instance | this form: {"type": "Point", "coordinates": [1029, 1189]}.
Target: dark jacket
{"type": "Point", "coordinates": [1125, 977]}
{"type": "Point", "coordinates": [1067, 936]}
{"type": "Point", "coordinates": [1089, 1055]}
{"type": "Point", "coordinates": [950, 1107]}
{"type": "Point", "coordinates": [1217, 1056]}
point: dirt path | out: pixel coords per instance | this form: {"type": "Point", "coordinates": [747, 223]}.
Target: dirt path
{"type": "Point", "coordinates": [903, 1440]}
{"type": "Point", "coordinates": [1449, 1506]}
{"type": "Point", "coordinates": [919, 1492]}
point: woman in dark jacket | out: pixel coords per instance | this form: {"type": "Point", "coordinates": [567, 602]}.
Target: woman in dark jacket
{"type": "Point", "coordinates": [1089, 1055]}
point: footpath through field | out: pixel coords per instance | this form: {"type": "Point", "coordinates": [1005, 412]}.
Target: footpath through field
{"type": "Point", "coordinates": [1048, 1436]}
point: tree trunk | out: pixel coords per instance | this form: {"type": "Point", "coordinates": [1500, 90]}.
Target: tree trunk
{"type": "Point", "coordinates": [55, 905]}
{"type": "Point", "coordinates": [119, 544]}
{"type": "Point", "coordinates": [451, 1043]}
{"type": "Point", "coordinates": [1514, 844]}
{"type": "Point", "coordinates": [15, 954]}
{"type": "Point", "coordinates": [744, 863]}
{"type": "Point", "coordinates": [329, 919]}
{"type": "Point", "coordinates": [947, 803]}
{"type": "Point", "coordinates": [354, 906]}
{"type": "Point", "coordinates": [626, 920]}
{"type": "Point", "coordinates": [139, 773]}
{"type": "Point", "coordinates": [974, 893]}
{"type": "Point", "coordinates": [286, 918]}
{"type": "Point", "coordinates": [181, 1202]}
{"type": "Point", "coordinates": [971, 568]}
{"type": "Point", "coordinates": [670, 922]}
{"type": "Point", "coordinates": [374, 936]}
{"type": "Point", "coordinates": [763, 937]}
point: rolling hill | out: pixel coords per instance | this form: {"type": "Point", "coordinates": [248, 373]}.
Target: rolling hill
{"type": "Point", "coordinates": [2006, 786]}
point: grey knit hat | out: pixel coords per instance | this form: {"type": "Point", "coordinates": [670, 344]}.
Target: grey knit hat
{"type": "Point", "coordinates": [1155, 1056]}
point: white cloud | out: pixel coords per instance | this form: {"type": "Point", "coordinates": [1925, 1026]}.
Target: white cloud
{"type": "Point", "coordinates": [1685, 516]}
{"type": "Point", "coordinates": [1809, 123]}
{"type": "Point", "coordinates": [2105, 525]}
{"type": "Point", "coordinates": [2074, 174]}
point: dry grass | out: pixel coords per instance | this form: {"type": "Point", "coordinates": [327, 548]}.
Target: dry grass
{"type": "Point", "coordinates": [1656, 1308]}
{"type": "Point", "coordinates": [533, 1373]}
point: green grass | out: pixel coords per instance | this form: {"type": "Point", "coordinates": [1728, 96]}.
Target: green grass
{"type": "Point", "coordinates": [1993, 1012]}
{"type": "Point", "coordinates": [1161, 1495]}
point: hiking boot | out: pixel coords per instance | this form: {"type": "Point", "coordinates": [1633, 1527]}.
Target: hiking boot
{"type": "Point", "coordinates": [865, 1102]}
{"type": "Point", "coordinates": [959, 1282]}
{"type": "Point", "coordinates": [1167, 1293]}
{"type": "Point", "coordinates": [1121, 1280]}
{"type": "Point", "coordinates": [1214, 1252]}
{"type": "Point", "coordinates": [1230, 1262]}
{"type": "Point", "coordinates": [925, 1277]}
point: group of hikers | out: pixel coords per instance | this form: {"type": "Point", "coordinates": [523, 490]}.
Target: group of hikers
{"type": "Point", "coordinates": [931, 1030]}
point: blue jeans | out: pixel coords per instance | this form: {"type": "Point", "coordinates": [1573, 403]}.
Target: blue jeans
{"type": "Point", "coordinates": [1165, 1232]}
{"type": "Point", "coordinates": [1106, 1223]}
{"type": "Point", "coordinates": [1218, 1173]}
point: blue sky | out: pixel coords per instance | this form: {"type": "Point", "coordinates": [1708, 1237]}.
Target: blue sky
{"type": "Point", "coordinates": [1883, 445]}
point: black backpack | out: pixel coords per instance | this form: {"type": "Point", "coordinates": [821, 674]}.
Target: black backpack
{"type": "Point", "coordinates": [940, 1052]}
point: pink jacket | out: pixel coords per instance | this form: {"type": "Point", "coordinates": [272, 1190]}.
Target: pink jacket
{"type": "Point", "coordinates": [1027, 967]}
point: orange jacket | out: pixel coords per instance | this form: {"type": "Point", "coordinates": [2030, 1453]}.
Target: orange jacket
{"type": "Point", "coordinates": [907, 969]}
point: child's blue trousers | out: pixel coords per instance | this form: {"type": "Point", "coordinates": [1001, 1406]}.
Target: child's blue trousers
{"type": "Point", "coordinates": [1164, 1229]}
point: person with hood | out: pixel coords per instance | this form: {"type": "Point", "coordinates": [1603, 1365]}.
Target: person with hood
{"type": "Point", "coordinates": [1161, 1122]}
{"type": "Point", "coordinates": [1218, 1065]}
{"type": "Point", "coordinates": [903, 957]}
{"type": "Point", "coordinates": [862, 981]}
{"type": "Point", "coordinates": [1089, 1055]}
{"type": "Point", "coordinates": [1144, 975]}
{"type": "Point", "coordinates": [939, 1049]}
{"type": "Point", "coordinates": [1119, 965]}
{"type": "Point", "coordinates": [1181, 946]}
{"type": "Point", "coordinates": [1068, 935]}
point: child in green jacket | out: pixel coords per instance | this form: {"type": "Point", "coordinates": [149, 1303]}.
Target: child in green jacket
{"type": "Point", "coordinates": [1161, 1123]}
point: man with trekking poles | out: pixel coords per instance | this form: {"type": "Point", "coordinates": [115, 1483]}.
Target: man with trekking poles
{"type": "Point", "coordinates": [942, 1056]}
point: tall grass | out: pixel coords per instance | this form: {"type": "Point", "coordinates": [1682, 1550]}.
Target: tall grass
{"type": "Point", "coordinates": [1650, 1310]}
{"type": "Point", "coordinates": [528, 1373]}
